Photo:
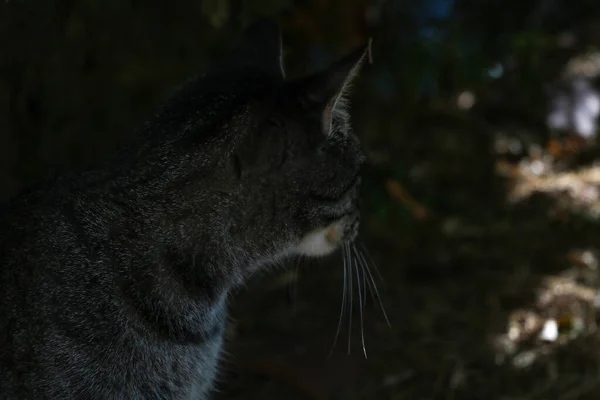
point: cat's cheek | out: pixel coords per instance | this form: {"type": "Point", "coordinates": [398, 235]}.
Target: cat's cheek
{"type": "Point", "coordinates": [322, 241]}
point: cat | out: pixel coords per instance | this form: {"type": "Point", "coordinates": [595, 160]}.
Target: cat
{"type": "Point", "coordinates": [114, 279]}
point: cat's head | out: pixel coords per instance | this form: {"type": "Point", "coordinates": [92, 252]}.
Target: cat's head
{"type": "Point", "coordinates": [281, 153]}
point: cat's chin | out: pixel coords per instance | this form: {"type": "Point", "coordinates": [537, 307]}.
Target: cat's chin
{"type": "Point", "coordinates": [323, 241]}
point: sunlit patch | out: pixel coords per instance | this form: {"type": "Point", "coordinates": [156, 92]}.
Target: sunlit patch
{"type": "Point", "coordinates": [566, 308]}
{"type": "Point", "coordinates": [496, 71]}
{"type": "Point", "coordinates": [575, 107]}
{"type": "Point", "coordinates": [541, 170]}
{"type": "Point", "coordinates": [465, 100]}
{"type": "Point", "coordinates": [575, 191]}
{"type": "Point", "coordinates": [586, 65]}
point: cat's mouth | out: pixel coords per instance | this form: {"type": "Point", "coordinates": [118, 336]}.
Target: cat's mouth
{"type": "Point", "coordinates": [343, 228]}
{"type": "Point", "coordinates": [324, 241]}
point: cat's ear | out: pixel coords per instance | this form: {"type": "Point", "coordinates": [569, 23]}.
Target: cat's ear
{"type": "Point", "coordinates": [260, 47]}
{"type": "Point", "coordinates": [328, 89]}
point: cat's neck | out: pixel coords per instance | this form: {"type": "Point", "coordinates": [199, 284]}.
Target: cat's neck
{"type": "Point", "coordinates": [163, 209]}
{"type": "Point", "coordinates": [167, 245]}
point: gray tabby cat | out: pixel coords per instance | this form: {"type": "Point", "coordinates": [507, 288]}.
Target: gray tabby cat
{"type": "Point", "coordinates": [114, 280]}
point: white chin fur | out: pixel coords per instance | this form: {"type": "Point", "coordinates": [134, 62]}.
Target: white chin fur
{"type": "Point", "coordinates": [321, 242]}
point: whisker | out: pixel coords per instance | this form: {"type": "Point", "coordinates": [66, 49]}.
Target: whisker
{"type": "Point", "coordinates": [362, 261]}
{"type": "Point", "coordinates": [343, 306]}
{"type": "Point", "coordinates": [373, 284]}
{"type": "Point", "coordinates": [294, 285]}
{"type": "Point", "coordinates": [372, 262]}
{"type": "Point", "coordinates": [350, 285]}
{"type": "Point", "coordinates": [364, 287]}
{"type": "Point", "coordinates": [367, 283]}
{"type": "Point", "coordinates": [360, 302]}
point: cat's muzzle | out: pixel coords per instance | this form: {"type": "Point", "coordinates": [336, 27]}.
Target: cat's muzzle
{"type": "Point", "coordinates": [344, 230]}
{"type": "Point", "coordinates": [325, 240]}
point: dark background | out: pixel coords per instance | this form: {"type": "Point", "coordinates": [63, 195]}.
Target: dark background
{"type": "Point", "coordinates": [453, 85]}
